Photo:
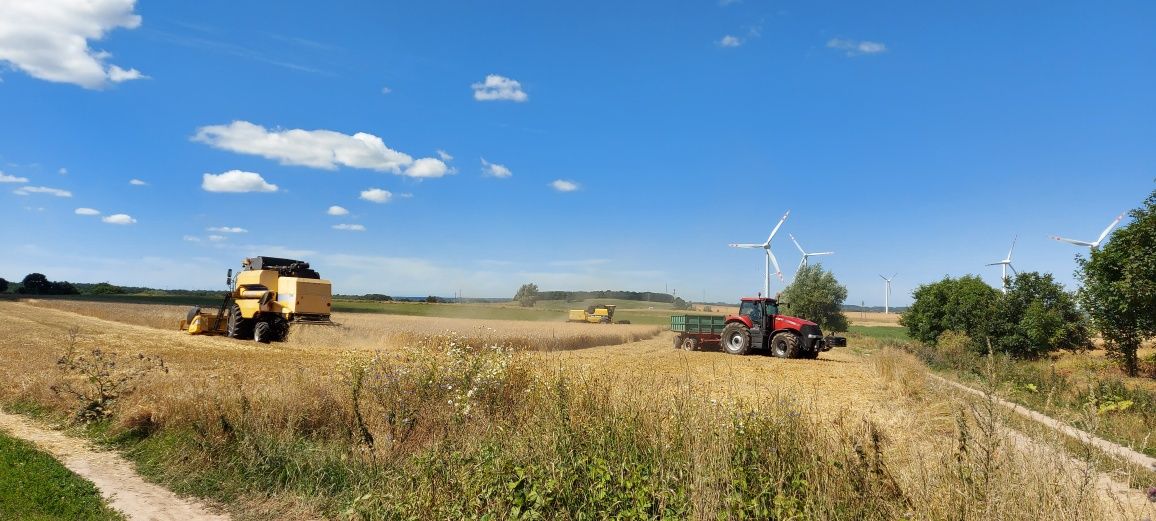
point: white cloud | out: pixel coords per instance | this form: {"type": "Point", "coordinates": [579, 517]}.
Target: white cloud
{"type": "Point", "coordinates": [377, 195]}
{"type": "Point", "coordinates": [730, 41]}
{"type": "Point", "coordinates": [428, 167]}
{"type": "Point", "coordinates": [228, 229]}
{"type": "Point", "coordinates": [87, 211]}
{"type": "Point", "coordinates": [323, 149]}
{"type": "Point", "coordinates": [26, 190]}
{"type": "Point", "coordinates": [386, 90]}
{"type": "Point", "coordinates": [349, 227]}
{"type": "Point", "coordinates": [119, 218]}
{"type": "Point", "coordinates": [563, 185]}
{"type": "Point", "coordinates": [62, 171]}
{"type": "Point", "coordinates": [855, 48]}
{"type": "Point", "coordinates": [5, 178]}
{"type": "Point", "coordinates": [495, 170]}
{"type": "Point", "coordinates": [191, 238]}
{"type": "Point", "coordinates": [49, 39]}
{"type": "Point", "coordinates": [445, 155]}
{"type": "Point", "coordinates": [236, 181]}
{"type": "Point", "coordinates": [405, 195]}
{"type": "Point", "coordinates": [337, 210]}
{"type": "Point", "coordinates": [217, 238]}
{"type": "Point", "coordinates": [137, 182]}
{"type": "Point", "coordinates": [497, 88]}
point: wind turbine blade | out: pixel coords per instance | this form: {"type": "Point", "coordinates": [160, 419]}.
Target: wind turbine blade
{"type": "Point", "coordinates": [1009, 252]}
{"type": "Point", "coordinates": [1073, 241]}
{"type": "Point", "coordinates": [882, 277]}
{"type": "Point", "coordinates": [802, 262]}
{"type": "Point", "coordinates": [801, 250]}
{"type": "Point", "coordinates": [777, 226]}
{"type": "Point", "coordinates": [776, 263]}
{"type": "Point", "coordinates": [822, 253]}
{"type": "Point", "coordinates": [745, 245]}
{"type": "Point", "coordinates": [1013, 268]}
{"type": "Point", "coordinates": [1109, 229]}
{"type": "Point", "coordinates": [994, 264]}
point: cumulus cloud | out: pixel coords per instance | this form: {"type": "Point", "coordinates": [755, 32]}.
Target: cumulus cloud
{"type": "Point", "coordinates": [236, 181]}
{"type": "Point", "coordinates": [730, 41]}
{"type": "Point", "coordinates": [49, 39]}
{"type": "Point", "coordinates": [855, 48]}
{"type": "Point", "coordinates": [87, 211]}
{"type": "Point", "coordinates": [349, 227]}
{"type": "Point", "coordinates": [228, 229]}
{"type": "Point", "coordinates": [563, 185]}
{"type": "Point", "coordinates": [5, 178]}
{"type": "Point", "coordinates": [428, 167]}
{"type": "Point", "coordinates": [337, 210]}
{"type": "Point", "coordinates": [323, 149]}
{"type": "Point", "coordinates": [376, 195]}
{"type": "Point", "coordinates": [217, 238]}
{"type": "Point", "coordinates": [495, 170]}
{"type": "Point", "coordinates": [27, 190]}
{"type": "Point", "coordinates": [119, 218]}
{"type": "Point", "coordinates": [137, 182]}
{"type": "Point", "coordinates": [445, 155]}
{"type": "Point", "coordinates": [497, 88]}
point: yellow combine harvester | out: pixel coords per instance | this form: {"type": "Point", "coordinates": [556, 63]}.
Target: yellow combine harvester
{"type": "Point", "coordinates": [267, 295]}
{"type": "Point", "coordinates": [597, 314]}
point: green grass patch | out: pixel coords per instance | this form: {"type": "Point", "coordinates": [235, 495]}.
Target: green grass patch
{"type": "Point", "coordinates": [881, 332]}
{"type": "Point", "coordinates": [34, 486]}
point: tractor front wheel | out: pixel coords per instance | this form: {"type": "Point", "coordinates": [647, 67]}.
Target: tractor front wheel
{"type": "Point", "coordinates": [238, 326]}
{"type": "Point", "coordinates": [736, 339]}
{"type": "Point", "coordinates": [785, 345]}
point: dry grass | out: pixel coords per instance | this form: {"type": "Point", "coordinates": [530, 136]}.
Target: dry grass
{"type": "Point", "coordinates": [842, 436]}
{"type": "Point", "coordinates": [871, 318]}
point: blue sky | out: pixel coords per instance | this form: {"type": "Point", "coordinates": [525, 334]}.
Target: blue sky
{"type": "Point", "coordinates": [908, 137]}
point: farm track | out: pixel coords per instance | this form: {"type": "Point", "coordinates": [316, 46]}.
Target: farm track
{"type": "Point", "coordinates": [840, 386]}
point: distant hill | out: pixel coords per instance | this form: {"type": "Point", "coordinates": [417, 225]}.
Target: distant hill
{"type": "Point", "coordinates": [871, 309]}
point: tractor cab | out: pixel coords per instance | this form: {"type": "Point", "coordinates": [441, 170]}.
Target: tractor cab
{"type": "Point", "coordinates": [760, 314]}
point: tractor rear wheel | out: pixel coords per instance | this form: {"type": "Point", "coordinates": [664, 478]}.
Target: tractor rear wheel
{"type": "Point", "coordinates": [785, 345]}
{"type": "Point", "coordinates": [690, 344]}
{"type": "Point", "coordinates": [263, 332]}
{"type": "Point", "coordinates": [736, 339]}
{"type": "Point", "coordinates": [238, 326]}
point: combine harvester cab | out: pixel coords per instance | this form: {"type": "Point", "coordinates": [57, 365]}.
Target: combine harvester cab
{"type": "Point", "coordinates": [267, 295]}
{"type": "Point", "coordinates": [758, 325]}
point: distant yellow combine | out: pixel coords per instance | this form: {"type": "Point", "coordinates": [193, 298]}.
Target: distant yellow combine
{"type": "Point", "coordinates": [597, 314]}
{"type": "Point", "coordinates": [267, 295]}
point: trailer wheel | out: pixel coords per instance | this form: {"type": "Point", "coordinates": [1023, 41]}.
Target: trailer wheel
{"type": "Point", "coordinates": [690, 344]}
{"type": "Point", "coordinates": [263, 332]}
{"type": "Point", "coordinates": [238, 326]}
{"type": "Point", "coordinates": [785, 345]}
{"type": "Point", "coordinates": [736, 339]}
{"type": "Point", "coordinates": [677, 341]}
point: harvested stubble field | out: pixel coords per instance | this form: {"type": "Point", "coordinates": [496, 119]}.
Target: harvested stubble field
{"type": "Point", "coordinates": [395, 418]}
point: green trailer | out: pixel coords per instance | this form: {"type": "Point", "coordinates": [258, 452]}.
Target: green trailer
{"type": "Point", "coordinates": [692, 331]}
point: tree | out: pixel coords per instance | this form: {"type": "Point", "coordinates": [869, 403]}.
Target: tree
{"type": "Point", "coordinates": [1039, 316]}
{"type": "Point", "coordinates": [104, 288]}
{"type": "Point", "coordinates": [35, 284]}
{"type": "Point", "coordinates": [527, 295]}
{"type": "Point", "coordinates": [1119, 286]}
{"type": "Point", "coordinates": [3, 285]}
{"type": "Point", "coordinates": [967, 305]}
{"type": "Point", "coordinates": [680, 304]}
{"type": "Point", "coordinates": [432, 300]}
{"type": "Point", "coordinates": [816, 296]}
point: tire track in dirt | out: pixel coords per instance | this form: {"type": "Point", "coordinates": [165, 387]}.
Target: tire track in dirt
{"type": "Point", "coordinates": [114, 476]}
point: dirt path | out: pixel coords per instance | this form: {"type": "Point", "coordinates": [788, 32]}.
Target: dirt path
{"type": "Point", "coordinates": [120, 485]}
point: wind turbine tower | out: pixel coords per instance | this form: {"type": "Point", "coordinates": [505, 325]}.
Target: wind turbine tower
{"type": "Point", "coordinates": [1005, 264]}
{"type": "Point", "coordinates": [1093, 245]}
{"type": "Point", "coordinates": [766, 247]}
{"type": "Point", "coordinates": [803, 263]}
{"type": "Point", "coordinates": [887, 293]}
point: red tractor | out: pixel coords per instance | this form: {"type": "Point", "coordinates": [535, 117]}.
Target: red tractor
{"type": "Point", "coordinates": [758, 325]}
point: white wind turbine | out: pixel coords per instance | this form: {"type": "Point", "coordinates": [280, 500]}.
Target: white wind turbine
{"type": "Point", "coordinates": [766, 247]}
{"type": "Point", "coordinates": [1005, 264]}
{"type": "Point", "coordinates": [1093, 245]}
{"type": "Point", "coordinates": [887, 293]}
{"type": "Point", "coordinates": [803, 263]}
